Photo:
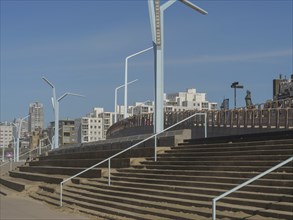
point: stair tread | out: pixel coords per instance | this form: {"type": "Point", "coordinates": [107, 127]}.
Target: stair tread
{"type": "Point", "coordinates": [154, 211]}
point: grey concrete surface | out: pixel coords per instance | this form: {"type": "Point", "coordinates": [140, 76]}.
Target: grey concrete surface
{"type": "Point", "coordinates": [19, 208]}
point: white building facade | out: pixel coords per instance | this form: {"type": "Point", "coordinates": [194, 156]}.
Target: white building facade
{"type": "Point", "coordinates": [94, 126]}
{"type": "Point", "coordinates": [6, 134]}
{"type": "Point", "coordinates": [175, 102]}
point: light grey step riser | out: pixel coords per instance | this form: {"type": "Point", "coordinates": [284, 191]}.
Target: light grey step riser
{"type": "Point", "coordinates": [62, 171]}
{"type": "Point", "coordinates": [192, 175]}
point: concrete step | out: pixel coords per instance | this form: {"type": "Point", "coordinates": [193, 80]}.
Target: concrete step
{"type": "Point", "coordinates": [228, 142]}
{"type": "Point", "coordinates": [135, 152]}
{"type": "Point", "coordinates": [189, 193]}
{"type": "Point", "coordinates": [129, 195]}
{"type": "Point", "coordinates": [199, 181]}
{"type": "Point", "coordinates": [252, 191]}
{"type": "Point", "coordinates": [55, 202]}
{"type": "Point", "coordinates": [240, 157]}
{"type": "Point", "coordinates": [195, 148]}
{"type": "Point", "coordinates": [265, 136]}
{"type": "Point", "coordinates": [53, 179]}
{"type": "Point", "coordinates": [269, 163]}
{"type": "Point", "coordinates": [136, 211]}
{"type": "Point", "coordinates": [5, 191]}
{"type": "Point", "coordinates": [278, 151]}
{"type": "Point", "coordinates": [190, 165]}
{"type": "Point", "coordinates": [189, 175]}
{"type": "Point", "coordinates": [12, 183]}
{"type": "Point", "coordinates": [115, 163]}
{"type": "Point", "coordinates": [70, 171]}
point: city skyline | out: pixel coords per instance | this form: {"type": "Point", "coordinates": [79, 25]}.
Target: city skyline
{"type": "Point", "coordinates": [80, 46]}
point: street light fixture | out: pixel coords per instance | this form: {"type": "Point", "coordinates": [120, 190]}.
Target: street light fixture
{"type": "Point", "coordinates": [116, 90]}
{"type": "Point", "coordinates": [156, 13]}
{"type": "Point", "coordinates": [126, 76]}
{"type": "Point", "coordinates": [235, 85]}
{"type": "Point", "coordinates": [55, 103]}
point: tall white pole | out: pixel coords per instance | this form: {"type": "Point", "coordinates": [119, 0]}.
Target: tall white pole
{"type": "Point", "coordinates": [116, 90]}
{"type": "Point", "coordinates": [126, 78]}
{"type": "Point", "coordinates": [55, 103]}
{"type": "Point", "coordinates": [18, 138]}
{"type": "Point", "coordinates": [156, 13]}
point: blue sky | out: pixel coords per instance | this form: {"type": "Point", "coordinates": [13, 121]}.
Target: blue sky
{"type": "Point", "coordinates": [80, 46]}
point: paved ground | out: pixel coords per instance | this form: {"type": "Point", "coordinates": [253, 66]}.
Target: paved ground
{"type": "Point", "coordinates": [19, 208]}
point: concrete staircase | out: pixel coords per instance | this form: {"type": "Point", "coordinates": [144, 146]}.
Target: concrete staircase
{"type": "Point", "coordinates": [180, 185]}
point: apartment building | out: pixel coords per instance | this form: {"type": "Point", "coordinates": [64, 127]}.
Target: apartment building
{"type": "Point", "coordinates": [67, 133]}
{"type": "Point", "coordinates": [94, 126]}
{"type": "Point", "coordinates": [36, 117]}
{"type": "Point", "coordinates": [181, 101]}
{"type": "Point", "coordinates": [6, 134]}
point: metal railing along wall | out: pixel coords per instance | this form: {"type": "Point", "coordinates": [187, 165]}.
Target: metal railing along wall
{"type": "Point", "coordinates": [246, 183]}
{"type": "Point", "coordinates": [129, 148]}
{"type": "Point", "coordinates": [236, 118]}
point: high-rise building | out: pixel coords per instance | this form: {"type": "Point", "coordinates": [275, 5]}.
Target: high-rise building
{"type": "Point", "coordinates": [36, 117]}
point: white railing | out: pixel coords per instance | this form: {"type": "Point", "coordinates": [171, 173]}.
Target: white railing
{"type": "Point", "coordinates": [3, 164]}
{"type": "Point", "coordinates": [248, 182]}
{"type": "Point", "coordinates": [38, 151]}
{"type": "Point", "coordinates": [129, 148]}
{"type": "Point", "coordinates": [11, 163]}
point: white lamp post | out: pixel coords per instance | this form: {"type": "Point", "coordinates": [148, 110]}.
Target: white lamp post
{"type": "Point", "coordinates": [126, 76]}
{"type": "Point", "coordinates": [18, 138]}
{"type": "Point", "coordinates": [116, 90]}
{"type": "Point", "coordinates": [55, 103]}
{"type": "Point", "coordinates": [156, 13]}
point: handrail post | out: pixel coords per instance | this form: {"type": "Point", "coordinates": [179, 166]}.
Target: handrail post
{"type": "Point", "coordinates": [61, 190]}
{"type": "Point", "coordinates": [206, 124]}
{"type": "Point", "coordinates": [248, 182]}
{"type": "Point", "coordinates": [156, 148]}
{"type": "Point", "coordinates": [214, 209]}
{"type": "Point", "coordinates": [109, 172]}
{"type": "Point", "coordinates": [108, 159]}
{"type": "Point", "coordinates": [10, 168]}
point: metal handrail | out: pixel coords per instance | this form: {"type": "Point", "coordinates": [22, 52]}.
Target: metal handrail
{"type": "Point", "coordinates": [4, 163]}
{"type": "Point", "coordinates": [129, 148]}
{"type": "Point", "coordinates": [248, 182]}
{"type": "Point", "coordinates": [30, 151]}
